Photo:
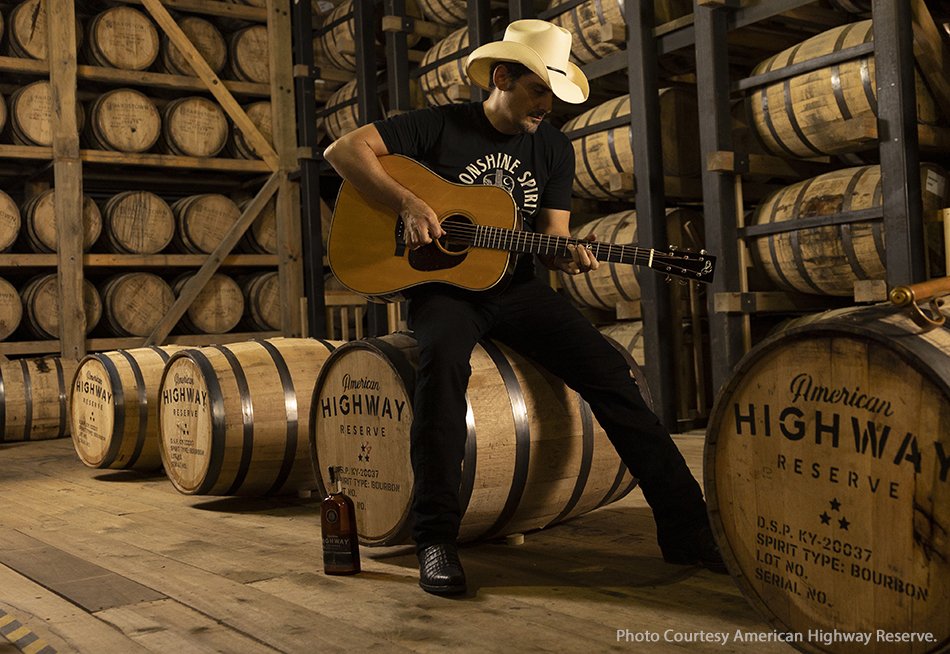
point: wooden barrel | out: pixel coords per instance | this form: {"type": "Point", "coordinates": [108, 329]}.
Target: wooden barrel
{"type": "Point", "coordinates": [610, 150]}
{"type": "Point", "coordinates": [628, 334]}
{"type": "Point", "coordinates": [122, 37]}
{"type": "Point", "coordinates": [203, 220]}
{"type": "Point", "coordinates": [261, 236]}
{"type": "Point", "coordinates": [614, 283]}
{"type": "Point", "coordinates": [585, 20]}
{"type": "Point", "coordinates": [11, 309]}
{"type": "Point", "coordinates": [331, 78]}
{"type": "Point", "coordinates": [452, 13]}
{"type": "Point", "coordinates": [261, 115]}
{"type": "Point", "coordinates": [234, 418]}
{"type": "Point", "coordinates": [10, 222]}
{"type": "Point", "coordinates": [345, 119]}
{"type": "Point", "coordinates": [34, 398]}
{"type": "Point", "coordinates": [261, 301]}
{"type": "Point", "coordinates": [826, 479]}
{"type": "Point", "coordinates": [436, 84]}
{"type": "Point", "coordinates": [27, 31]}
{"type": "Point", "coordinates": [135, 302]}
{"type": "Point", "coordinates": [137, 222]}
{"type": "Point", "coordinates": [800, 116]}
{"type": "Point", "coordinates": [338, 41]}
{"type": "Point", "coordinates": [611, 283]}
{"type": "Point", "coordinates": [113, 412]}
{"type": "Point", "coordinates": [3, 111]}
{"type": "Point", "coordinates": [123, 120]}
{"type": "Point", "coordinates": [207, 40]}
{"type": "Point", "coordinates": [217, 308]}
{"type": "Point", "coordinates": [537, 458]}
{"type": "Point", "coordinates": [39, 217]}
{"type": "Point", "coordinates": [829, 260]}
{"type": "Point", "coordinates": [194, 127]}
{"type": "Point", "coordinates": [41, 306]}
{"type": "Point", "coordinates": [248, 55]}
{"type": "Point", "coordinates": [31, 115]}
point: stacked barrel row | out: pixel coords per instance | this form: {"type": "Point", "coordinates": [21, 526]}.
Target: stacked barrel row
{"type": "Point", "coordinates": [126, 119]}
{"type": "Point", "coordinates": [126, 38]}
{"type": "Point", "coordinates": [132, 303]}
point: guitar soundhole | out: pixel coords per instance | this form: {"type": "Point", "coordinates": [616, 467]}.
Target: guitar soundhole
{"type": "Point", "coordinates": [450, 250]}
{"type": "Point", "coordinates": [459, 233]}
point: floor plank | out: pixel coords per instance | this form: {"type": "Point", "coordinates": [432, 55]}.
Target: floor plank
{"type": "Point", "coordinates": [244, 575]}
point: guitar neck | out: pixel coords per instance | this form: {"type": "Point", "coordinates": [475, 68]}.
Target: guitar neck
{"type": "Point", "coordinates": [497, 238]}
{"type": "Point", "coordinates": [698, 267]}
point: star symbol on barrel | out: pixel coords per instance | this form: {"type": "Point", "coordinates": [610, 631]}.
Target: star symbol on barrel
{"type": "Point", "coordinates": [835, 505]}
{"type": "Point", "coordinates": [843, 523]}
{"type": "Point", "coordinates": [825, 518]}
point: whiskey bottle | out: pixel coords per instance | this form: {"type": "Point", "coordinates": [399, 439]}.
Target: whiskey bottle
{"type": "Point", "coordinates": [341, 550]}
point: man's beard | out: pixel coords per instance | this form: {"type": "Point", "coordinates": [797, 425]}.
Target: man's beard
{"type": "Point", "coordinates": [529, 126]}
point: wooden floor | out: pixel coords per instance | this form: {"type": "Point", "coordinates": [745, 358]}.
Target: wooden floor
{"type": "Point", "coordinates": [115, 562]}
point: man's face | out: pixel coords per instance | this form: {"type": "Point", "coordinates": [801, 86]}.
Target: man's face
{"type": "Point", "coordinates": [527, 101]}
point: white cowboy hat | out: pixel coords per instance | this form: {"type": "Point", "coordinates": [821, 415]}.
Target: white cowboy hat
{"type": "Point", "coordinates": [541, 46]}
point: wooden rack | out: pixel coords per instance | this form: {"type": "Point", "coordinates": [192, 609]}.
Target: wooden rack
{"type": "Point", "coordinates": [66, 165]}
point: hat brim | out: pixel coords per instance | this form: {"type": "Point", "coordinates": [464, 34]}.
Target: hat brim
{"type": "Point", "coordinates": [570, 86]}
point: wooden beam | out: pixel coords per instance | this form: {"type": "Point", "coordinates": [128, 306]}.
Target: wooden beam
{"type": "Point", "coordinates": [416, 27]}
{"type": "Point", "coordinates": [215, 85]}
{"type": "Point", "coordinates": [194, 285]}
{"type": "Point", "coordinates": [758, 164]}
{"type": "Point", "coordinates": [67, 173]}
{"type": "Point", "coordinates": [289, 232]}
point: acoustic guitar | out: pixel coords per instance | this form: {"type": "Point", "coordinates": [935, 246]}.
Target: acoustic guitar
{"type": "Point", "coordinates": [367, 252]}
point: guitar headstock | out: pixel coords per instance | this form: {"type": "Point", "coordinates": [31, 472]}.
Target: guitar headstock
{"type": "Point", "coordinates": [698, 267]}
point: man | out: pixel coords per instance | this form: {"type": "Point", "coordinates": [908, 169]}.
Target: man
{"type": "Point", "coordinates": [504, 141]}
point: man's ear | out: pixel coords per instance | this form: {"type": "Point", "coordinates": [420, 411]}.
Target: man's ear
{"type": "Point", "coordinates": [501, 78]}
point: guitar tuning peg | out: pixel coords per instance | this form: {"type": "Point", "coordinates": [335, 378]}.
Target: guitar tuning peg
{"type": "Point", "coordinates": [703, 252]}
{"type": "Point", "coordinates": [672, 248]}
{"type": "Point", "coordinates": [668, 279]}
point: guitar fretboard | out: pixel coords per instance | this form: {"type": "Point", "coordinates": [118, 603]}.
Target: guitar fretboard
{"type": "Point", "coordinates": [497, 238]}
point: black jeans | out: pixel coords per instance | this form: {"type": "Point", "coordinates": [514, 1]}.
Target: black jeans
{"type": "Point", "coordinates": [533, 319]}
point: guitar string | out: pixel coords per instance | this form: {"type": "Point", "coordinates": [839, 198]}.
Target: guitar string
{"type": "Point", "coordinates": [471, 234]}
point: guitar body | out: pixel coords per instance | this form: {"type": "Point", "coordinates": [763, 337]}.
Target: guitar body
{"type": "Point", "coordinates": [366, 253]}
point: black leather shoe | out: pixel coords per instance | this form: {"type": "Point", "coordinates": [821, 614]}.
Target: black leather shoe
{"type": "Point", "coordinates": [440, 571]}
{"type": "Point", "coordinates": [699, 547]}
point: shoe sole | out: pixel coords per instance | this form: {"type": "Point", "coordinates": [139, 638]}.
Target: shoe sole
{"type": "Point", "coordinates": [443, 590]}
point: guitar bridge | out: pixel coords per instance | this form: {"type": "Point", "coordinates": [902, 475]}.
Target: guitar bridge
{"type": "Point", "coordinates": [400, 236]}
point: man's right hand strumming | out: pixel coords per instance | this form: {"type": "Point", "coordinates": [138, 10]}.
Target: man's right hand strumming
{"type": "Point", "coordinates": [421, 224]}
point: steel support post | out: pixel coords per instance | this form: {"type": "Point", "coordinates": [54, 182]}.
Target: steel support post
{"type": "Point", "coordinates": [899, 147]}
{"type": "Point", "coordinates": [311, 226]}
{"type": "Point", "coordinates": [726, 341]}
{"type": "Point", "coordinates": [651, 215]}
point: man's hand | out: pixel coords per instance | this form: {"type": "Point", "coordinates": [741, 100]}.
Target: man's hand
{"type": "Point", "coordinates": [582, 259]}
{"type": "Point", "coordinates": [421, 224]}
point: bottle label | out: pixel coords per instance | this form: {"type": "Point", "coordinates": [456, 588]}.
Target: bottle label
{"type": "Point", "coordinates": [337, 552]}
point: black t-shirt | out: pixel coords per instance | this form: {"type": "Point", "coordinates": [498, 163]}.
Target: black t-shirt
{"type": "Point", "coordinates": [460, 144]}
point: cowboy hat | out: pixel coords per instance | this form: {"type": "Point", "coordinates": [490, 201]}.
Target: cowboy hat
{"type": "Point", "coordinates": [541, 46]}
